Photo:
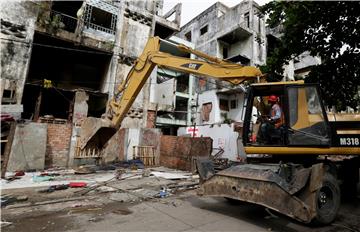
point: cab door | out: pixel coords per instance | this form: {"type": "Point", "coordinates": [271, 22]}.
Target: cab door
{"type": "Point", "coordinates": [307, 121]}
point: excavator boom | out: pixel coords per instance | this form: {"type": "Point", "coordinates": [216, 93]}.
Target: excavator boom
{"type": "Point", "coordinates": [96, 132]}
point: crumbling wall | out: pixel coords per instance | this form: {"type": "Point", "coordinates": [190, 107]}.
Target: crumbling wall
{"type": "Point", "coordinates": [17, 31]}
{"type": "Point", "coordinates": [177, 152]}
{"type": "Point", "coordinates": [58, 145]}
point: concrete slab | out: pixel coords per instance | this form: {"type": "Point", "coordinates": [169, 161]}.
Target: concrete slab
{"type": "Point", "coordinates": [29, 147]}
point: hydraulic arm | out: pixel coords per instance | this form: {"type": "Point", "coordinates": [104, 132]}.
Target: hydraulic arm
{"type": "Point", "coordinates": [98, 131]}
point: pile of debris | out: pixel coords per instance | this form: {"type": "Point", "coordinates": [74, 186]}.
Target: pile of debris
{"type": "Point", "coordinates": [123, 182]}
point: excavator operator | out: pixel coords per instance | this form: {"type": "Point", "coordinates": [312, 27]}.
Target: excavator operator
{"type": "Point", "coordinates": [271, 126]}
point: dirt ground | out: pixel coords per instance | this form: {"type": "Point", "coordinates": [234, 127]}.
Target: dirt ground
{"type": "Point", "coordinates": [181, 212]}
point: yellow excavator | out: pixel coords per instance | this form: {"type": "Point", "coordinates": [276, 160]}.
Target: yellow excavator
{"type": "Point", "coordinates": [298, 174]}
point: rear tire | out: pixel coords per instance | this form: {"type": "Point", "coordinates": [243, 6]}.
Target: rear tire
{"type": "Point", "coordinates": [327, 200]}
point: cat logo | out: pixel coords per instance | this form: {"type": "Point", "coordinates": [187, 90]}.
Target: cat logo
{"type": "Point", "coordinates": [194, 66]}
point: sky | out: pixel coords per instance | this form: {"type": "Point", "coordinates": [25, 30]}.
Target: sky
{"type": "Point", "coordinates": [192, 8]}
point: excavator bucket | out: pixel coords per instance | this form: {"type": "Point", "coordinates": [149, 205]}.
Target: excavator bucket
{"type": "Point", "coordinates": [95, 132]}
{"type": "Point", "coordinates": [264, 185]}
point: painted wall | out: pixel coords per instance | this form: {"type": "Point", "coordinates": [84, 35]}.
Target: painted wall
{"type": "Point", "coordinates": [223, 136]}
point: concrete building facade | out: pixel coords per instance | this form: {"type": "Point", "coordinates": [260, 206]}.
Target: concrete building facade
{"type": "Point", "coordinates": [236, 34]}
{"type": "Point", "coordinates": [62, 60]}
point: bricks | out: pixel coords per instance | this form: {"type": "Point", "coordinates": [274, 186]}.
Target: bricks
{"type": "Point", "coordinates": [58, 144]}
{"type": "Point", "coordinates": [177, 152]}
{"type": "Point", "coordinates": [151, 118]}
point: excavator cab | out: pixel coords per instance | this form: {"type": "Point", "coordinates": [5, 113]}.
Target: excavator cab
{"type": "Point", "coordinates": [304, 123]}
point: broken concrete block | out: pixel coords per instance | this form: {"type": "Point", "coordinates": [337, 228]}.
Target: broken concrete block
{"type": "Point", "coordinates": [29, 147]}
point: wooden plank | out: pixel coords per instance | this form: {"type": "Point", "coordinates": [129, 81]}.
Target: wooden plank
{"type": "Point", "coordinates": [7, 149]}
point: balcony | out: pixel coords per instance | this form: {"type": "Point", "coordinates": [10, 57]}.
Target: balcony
{"type": "Point", "coordinates": [63, 21]}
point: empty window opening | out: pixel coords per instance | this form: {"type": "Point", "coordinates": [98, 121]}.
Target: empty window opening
{"type": "Point", "coordinates": [203, 30]}
{"type": "Point", "coordinates": [188, 36]}
{"type": "Point", "coordinates": [97, 104]}
{"type": "Point", "coordinates": [9, 92]}
{"type": "Point", "coordinates": [181, 107]}
{"type": "Point", "coordinates": [240, 59]}
{"type": "Point", "coordinates": [247, 19]}
{"type": "Point", "coordinates": [47, 104]}
{"type": "Point", "coordinates": [100, 20]}
{"type": "Point", "coordinates": [51, 104]}
{"type": "Point", "coordinates": [65, 12]}
{"type": "Point", "coordinates": [224, 104]}
{"type": "Point", "coordinates": [233, 104]}
{"type": "Point", "coordinates": [182, 83]}
{"type": "Point", "coordinates": [162, 31]}
{"type": "Point", "coordinates": [67, 66]}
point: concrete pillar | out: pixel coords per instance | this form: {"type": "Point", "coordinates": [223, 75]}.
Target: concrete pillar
{"type": "Point", "coordinates": [80, 113]}
{"type": "Point", "coordinates": [110, 82]}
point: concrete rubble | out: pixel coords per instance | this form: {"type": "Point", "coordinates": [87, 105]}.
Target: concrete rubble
{"type": "Point", "coordinates": [131, 185]}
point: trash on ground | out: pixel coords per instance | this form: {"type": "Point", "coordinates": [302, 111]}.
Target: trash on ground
{"type": "Point", "coordinates": [12, 178]}
{"type": "Point", "coordinates": [77, 184]}
{"type": "Point", "coordinates": [7, 200]}
{"type": "Point", "coordinates": [19, 173]}
{"type": "Point", "coordinates": [163, 192]}
{"type": "Point", "coordinates": [84, 170]}
{"type": "Point", "coordinates": [49, 174]}
{"type": "Point", "coordinates": [54, 188]}
{"type": "Point", "coordinates": [169, 176]}
{"type": "Point", "coordinates": [42, 178]}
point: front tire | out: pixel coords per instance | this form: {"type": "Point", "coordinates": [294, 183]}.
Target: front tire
{"type": "Point", "coordinates": [327, 200]}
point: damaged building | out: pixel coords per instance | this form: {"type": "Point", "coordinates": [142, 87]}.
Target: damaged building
{"type": "Point", "coordinates": [62, 61]}
{"type": "Point", "coordinates": [236, 34]}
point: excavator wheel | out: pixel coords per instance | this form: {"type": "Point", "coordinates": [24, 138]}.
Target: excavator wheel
{"type": "Point", "coordinates": [327, 200]}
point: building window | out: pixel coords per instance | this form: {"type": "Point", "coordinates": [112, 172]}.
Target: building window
{"type": "Point", "coordinates": [224, 105]}
{"type": "Point", "coordinates": [188, 36]}
{"type": "Point", "coordinates": [203, 30]}
{"type": "Point", "coordinates": [247, 19]}
{"type": "Point", "coordinates": [233, 104]}
{"type": "Point", "coordinates": [100, 20]}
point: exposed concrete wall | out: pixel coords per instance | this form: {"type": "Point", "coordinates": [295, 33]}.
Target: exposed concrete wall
{"type": "Point", "coordinates": [17, 35]}
{"type": "Point", "coordinates": [222, 135]}
{"type": "Point", "coordinates": [80, 107]}
{"type": "Point", "coordinates": [29, 147]}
